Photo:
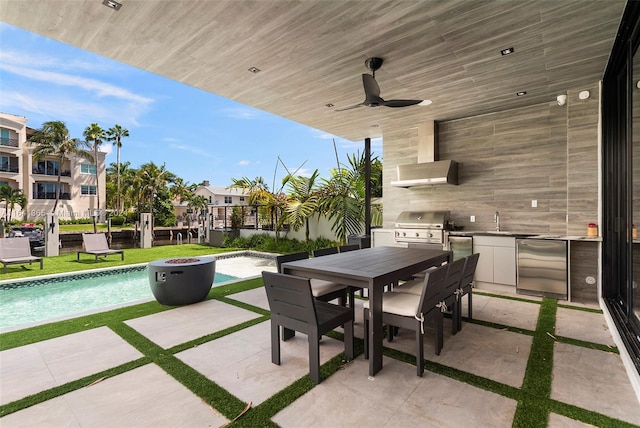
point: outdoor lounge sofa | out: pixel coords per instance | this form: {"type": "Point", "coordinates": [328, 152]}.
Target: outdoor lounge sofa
{"type": "Point", "coordinates": [16, 251]}
{"type": "Point", "coordinates": [96, 244]}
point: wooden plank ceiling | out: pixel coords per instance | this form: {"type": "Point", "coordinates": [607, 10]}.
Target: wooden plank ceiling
{"type": "Point", "coordinates": [312, 52]}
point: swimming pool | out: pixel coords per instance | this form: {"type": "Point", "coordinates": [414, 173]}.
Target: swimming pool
{"type": "Point", "coordinates": [44, 299]}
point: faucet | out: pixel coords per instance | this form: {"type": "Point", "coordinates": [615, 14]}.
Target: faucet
{"type": "Point", "coordinates": [496, 219]}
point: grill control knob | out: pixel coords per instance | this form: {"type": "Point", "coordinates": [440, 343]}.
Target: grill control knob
{"type": "Point", "coordinates": [417, 235]}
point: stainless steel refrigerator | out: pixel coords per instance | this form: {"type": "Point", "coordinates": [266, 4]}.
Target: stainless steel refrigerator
{"type": "Point", "coordinates": [542, 267]}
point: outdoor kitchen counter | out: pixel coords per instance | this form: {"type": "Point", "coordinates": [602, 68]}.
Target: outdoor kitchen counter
{"type": "Point", "coordinates": [528, 235]}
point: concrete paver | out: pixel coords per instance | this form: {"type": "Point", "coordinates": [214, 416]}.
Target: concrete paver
{"type": "Point", "coordinates": [40, 366]}
{"type": "Point", "coordinates": [241, 363]}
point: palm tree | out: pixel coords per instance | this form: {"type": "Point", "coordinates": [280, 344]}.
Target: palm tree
{"type": "Point", "coordinates": [6, 193]}
{"type": "Point", "coordinates": [256, 189]}
{"type": "Point", "coordinates": [115, 134]}
{"type": "Point", "coordinates": [154, 179]}
{"type": "Point", "coordinates": [94, 133]}
{"type": "Point", "coordinates": [19, 198]}
{"type": "Point", "coordinates": [303, 201]}
{"type": "Point", "coordinates": [53, 140]}
{"type": "Point", "coordinates": [342, 200]}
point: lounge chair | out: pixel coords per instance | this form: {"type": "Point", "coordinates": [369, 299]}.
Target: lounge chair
{"type": "Point", "coordinates": [96, 244]}
{"type": "Point", "coordinates": [16, 251]}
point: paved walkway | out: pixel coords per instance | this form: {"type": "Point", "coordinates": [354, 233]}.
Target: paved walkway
{"type": "Point", "coordinates": [476, 381]}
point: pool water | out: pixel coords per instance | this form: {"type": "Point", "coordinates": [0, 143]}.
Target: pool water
{"type": "Point", "coordinates": [44, 300]}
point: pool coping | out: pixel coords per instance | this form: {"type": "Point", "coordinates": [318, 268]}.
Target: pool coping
{"type": "Point", "coordinates": [229, 255]}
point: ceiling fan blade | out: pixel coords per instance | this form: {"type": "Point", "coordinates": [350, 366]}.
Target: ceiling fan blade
{"type": "Point", "coordinates": [400, 103]}
{"type": "Point", "coordinates": [371, 88]}
{"type": "Point", "coordinates": [350, 107]}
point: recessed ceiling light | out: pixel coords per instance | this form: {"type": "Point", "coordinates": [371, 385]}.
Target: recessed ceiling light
{"type": "Point", "coordinates": [425, 103]}
{"type": "Point", "coordinates": [521, 93]}
{"type": "Point", "coordinates": [254, 69]}
{"type": "Point", "coordinates": [112, 4]}
{"type": "Point", "coordinates": [328, 105]}
{"type": "Point", "coordinates": [507, 51]}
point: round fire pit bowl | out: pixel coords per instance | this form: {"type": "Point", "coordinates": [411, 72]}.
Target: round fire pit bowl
{"type": "Point", "coordinates": [181, 280]}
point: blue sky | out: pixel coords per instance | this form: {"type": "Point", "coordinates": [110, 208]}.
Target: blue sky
{"type": "Point", "coordinates": [198, 135]}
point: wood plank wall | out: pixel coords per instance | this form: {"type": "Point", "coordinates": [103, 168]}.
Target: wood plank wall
{"type": "Point", "coordinates": [507, 159]}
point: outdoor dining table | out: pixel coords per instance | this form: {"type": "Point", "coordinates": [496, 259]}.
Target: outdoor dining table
{"type": "Point", "coordinates": [373, 269]}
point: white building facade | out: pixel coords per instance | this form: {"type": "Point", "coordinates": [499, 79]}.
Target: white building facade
{"type": "Point", "coordinates": [38, 179]}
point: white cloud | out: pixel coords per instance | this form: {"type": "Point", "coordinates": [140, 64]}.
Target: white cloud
{"type": "Point", "coordinates": [240, 113]}
{"type": "Point", "coordinates": [107, 148]}
{"type": "Point", "coordinates": [190, 149]}
{"type": "Point", "coordinates": [99, 88]}
{"type": "Point", "coordinates": [67, 109]}
{"type": "Point", "coordinates": [244, 162]}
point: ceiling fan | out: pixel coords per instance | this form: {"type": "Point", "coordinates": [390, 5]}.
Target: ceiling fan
{"type": "Point", "coordinates": [372, 90]}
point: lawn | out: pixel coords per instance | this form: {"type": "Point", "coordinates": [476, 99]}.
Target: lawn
{"type": "Point", "coordinates": [69, 263]}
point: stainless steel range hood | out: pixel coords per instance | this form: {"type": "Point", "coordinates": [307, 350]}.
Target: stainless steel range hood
{"type": "Point", "coordinates": [422, 174]}
{"type": "Point", "coordinates": [428, 170]}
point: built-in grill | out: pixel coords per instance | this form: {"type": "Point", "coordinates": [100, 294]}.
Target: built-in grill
{"type": "Point", "coordinates": [427, 227]}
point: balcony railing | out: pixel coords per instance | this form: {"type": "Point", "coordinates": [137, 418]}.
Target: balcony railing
{"type": "Point", "coordinates": [11, 142]}
{"type": "Point", "coordinates": [9, 168]}
{"type": "Point", "coordinates": [51, 195]}
{"type": "Point", "coordinates": [54, 172]}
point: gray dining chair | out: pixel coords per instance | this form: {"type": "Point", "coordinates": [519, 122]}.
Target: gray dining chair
{"type": "Point", "coordinates": [293, 307]}
{"type": "Point", "coordinates": [345, 248]}
{"type": "Point", "coordinates": [449, 297]}
{"type": "Point", "coordinates": [321, 289]}
{"type": "Point", "coordinates": [325, 251]}
{"type": "Point", "coordinates": [466, 287]}
{"type": "Point", "coordinates": [410, 311]}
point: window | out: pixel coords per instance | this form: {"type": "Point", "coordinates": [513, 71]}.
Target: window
{"type": "Point", "coordinates": [48, 191]}
{"type": "Point", "coordinates": [4, 137]}
{"type": "Point", "coordinates": [87, 190]}
{"type": "Point", "coordinates": [227, 199]}
{"type": "Point", "coordinates": [241, 198]}
{"type": "Point", "coordinates": [46, 167]}
{"type": "Point", "coordinates": [4, 183]}
{"type": "Point", "coordinates": [87, 168]}
{"type": "Point", "coordinates": [209, 199]}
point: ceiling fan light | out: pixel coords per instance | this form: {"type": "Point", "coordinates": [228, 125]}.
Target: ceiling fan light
{"type": "Point", "coordinates": [425, 103]}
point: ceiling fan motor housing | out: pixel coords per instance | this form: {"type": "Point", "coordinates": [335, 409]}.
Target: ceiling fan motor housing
{"type": "Point", "coordinates": [373, 63]}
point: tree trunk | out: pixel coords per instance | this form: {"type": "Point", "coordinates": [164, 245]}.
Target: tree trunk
{"type": "Point", "coordinates": [55, 205]}
{"type": "Point", "coordinates": [95, 154]}
{"type": "Point", "coordinates": [118, 207]}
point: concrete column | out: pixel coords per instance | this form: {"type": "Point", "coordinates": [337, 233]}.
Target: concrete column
{"type": "Point", "coordinates": [146, 222]}
{"type": "Point", "coordinates": [51, 235]}
{"type": "Point", "coordinates": [208, 224]}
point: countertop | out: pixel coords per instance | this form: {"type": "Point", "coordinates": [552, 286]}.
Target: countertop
{"type": "Point", "coordinates": [520, 235]}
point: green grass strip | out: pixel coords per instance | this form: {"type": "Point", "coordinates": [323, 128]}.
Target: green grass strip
{"type": "Point", "coordinates": [589, 345]}
{"type": "Point", "coordinates": [500, 296]}
{"type": "Point", "coordinates": [68, 263]}
{"type": "Point", "coordinates": [533, 408]}
{"type": "Point", "coordinates": [261, 415]}
{"type": "Point", "coordinates": [586, 416]}
{"type": "Point", "coordinates": [460, 375]}
{"type": "Point", "coordinates": [84, 382]}
{"type": "Point", "coordinates": [580, 308]}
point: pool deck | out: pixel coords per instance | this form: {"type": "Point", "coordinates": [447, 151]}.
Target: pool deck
{"type": "Point", "coordinates": [476, 381]}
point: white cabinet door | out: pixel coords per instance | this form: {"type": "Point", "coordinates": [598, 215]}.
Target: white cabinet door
{"type": "Point", "coordinates": [497, 262]}
{"type": "Point", "coordinates": [484, 270]}
{"type": "Point", "coordinates": [504, 265]}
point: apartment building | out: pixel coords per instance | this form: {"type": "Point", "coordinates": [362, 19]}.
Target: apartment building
{"type": "Point", "coordinates": [38, 178]}
{"type": "Point", "coordinates": [221, 201]}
